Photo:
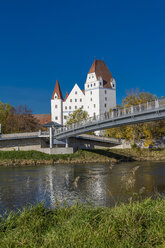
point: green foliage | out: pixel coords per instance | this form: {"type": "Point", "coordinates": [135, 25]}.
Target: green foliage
{"type": "Point", "coordinates": [147, 131]}
{"type": "Point", "coordinates": [76, 116]}
{"type": "Point", "coordinates": [138, 224]}
{"type": "Point", "coordinates": [5, 110]}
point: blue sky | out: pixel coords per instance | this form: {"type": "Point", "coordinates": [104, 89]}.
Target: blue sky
{"type": "Point", "coordinates": [41, 41]}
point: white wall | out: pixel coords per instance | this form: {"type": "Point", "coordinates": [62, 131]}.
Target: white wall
{"type": "Point", "coordinates": [75, 100]}
{"type": "Point", "coordinates": [56, 109]}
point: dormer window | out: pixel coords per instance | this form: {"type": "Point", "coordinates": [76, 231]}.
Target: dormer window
{"type": "Point", "coordinates": [100, 84]}
{"type": "Point", "coordinates": [76, 92]}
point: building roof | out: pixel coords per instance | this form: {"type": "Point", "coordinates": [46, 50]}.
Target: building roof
{"type": "Point", "coordinates": [57, 90]}
{"type": "Point", "coordinates": [66, 96]}
{"type": "Point", "coordinates": [101, 70]}
{"type": "Point", "coordinates": [42, 118]}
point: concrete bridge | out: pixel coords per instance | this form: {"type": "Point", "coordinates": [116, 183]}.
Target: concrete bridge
{"type": "Point", "coordinates": [73, 135]}
{"type": "Point", "coordinates": [150, 111]}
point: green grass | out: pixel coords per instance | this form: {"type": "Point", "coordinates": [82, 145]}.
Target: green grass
{"type": "Point", "coordinates": [81, 156]}
{"type": "Point", "coordinates": [136, 225]}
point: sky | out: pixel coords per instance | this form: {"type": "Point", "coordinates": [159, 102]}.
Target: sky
{"type": "Point", "coordinates": [42, 41]}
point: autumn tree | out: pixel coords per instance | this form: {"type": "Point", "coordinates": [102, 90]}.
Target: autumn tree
{"type": "Point", "coordinates": [19, 119]}
{"type": "Point", "coordinates": [5, 111]}
{"type": "Point", "coordinates": [147, 131]}
{"type": "Point", "coordinates": [77, 116]}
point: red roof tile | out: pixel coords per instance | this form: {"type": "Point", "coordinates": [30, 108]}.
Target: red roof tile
{"type": "Point", "coordinates": [101, 70]}
{"type": "Point", "coordinates": [43, 118]}
{"type": "Point", "coordinates": [66, 96]}
{"type": "Point", "coordinates": [57, 90]}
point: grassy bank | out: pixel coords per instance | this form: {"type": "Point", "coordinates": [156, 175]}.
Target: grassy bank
{"type": "Point", "coordinates": [135, 225]}
{"type": "Point", "coordinates": [89, 156]}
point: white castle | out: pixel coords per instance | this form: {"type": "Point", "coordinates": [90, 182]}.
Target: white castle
{"type": "Point", "coordinates": [98, 96]}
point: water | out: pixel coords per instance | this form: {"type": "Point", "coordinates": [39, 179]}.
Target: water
{"type": "Point", "coordinates": [99, 183]}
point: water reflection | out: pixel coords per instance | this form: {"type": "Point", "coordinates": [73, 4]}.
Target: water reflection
{"type": "Point", "coordinates": [101, 184]}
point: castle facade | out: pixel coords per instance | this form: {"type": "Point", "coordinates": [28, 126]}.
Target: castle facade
{"type": "Point", "coordinates": [98, 96]}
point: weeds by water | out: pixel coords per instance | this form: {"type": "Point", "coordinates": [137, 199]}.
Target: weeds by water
{"type": "Point", "coordinates": [137, 225]}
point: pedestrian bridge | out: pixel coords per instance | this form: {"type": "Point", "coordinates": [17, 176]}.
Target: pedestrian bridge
{"type": "Point", "coordinates": [150, 111]}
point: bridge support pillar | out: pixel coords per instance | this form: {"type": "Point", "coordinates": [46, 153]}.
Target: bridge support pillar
{"type": "Point", "coordinates": [132, 109]}
{"type": "Point", "coordinates": [66, 145]}
{"type": "Point", "coordinates": [51, 137]}
{"type": "Point", "coordinates": [156, 104]}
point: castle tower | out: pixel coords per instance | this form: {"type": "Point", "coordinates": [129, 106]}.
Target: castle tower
{"type": "Point", "coordinates": [100, 89]}
{"type": "Point", "coordinates": [57, 105]}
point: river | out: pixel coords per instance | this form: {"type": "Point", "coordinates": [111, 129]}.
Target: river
{"type": "Point", "coordinates": [99, 184]}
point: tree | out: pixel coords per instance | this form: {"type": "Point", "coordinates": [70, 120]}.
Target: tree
{"type": "Point", "coordinates": [5, 110]}
{"type": "Point", "coordinates": [77, 116]}
{"type": "Point", "coordinates": [14, 120]}
{"type": "Point", "coordinates": [21, 120]}
{"type": "Point", "coordinates": [147, 131]}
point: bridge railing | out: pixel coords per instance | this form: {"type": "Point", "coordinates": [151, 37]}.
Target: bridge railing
{"type": "Point", "coordinates": [115, 113]}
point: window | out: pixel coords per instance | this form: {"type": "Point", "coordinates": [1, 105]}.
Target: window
{"type": "Point", "coordinates": [70, 100]}
{"type": "Point", "coordinates": [91, 85]}
{"type": "Point", "coordinates": [91, 92]}
{"type": "Point", "coordinates": [65, 117]}
{"type": "Point", "coordinates": [100, 83]}
{"type": "Point", "coordinates": [56, 118]}
{"type": "Point", "coordinates": [113, 85]}
{"type": "Point", "coordinates": [105, 98]}
{"type": "Point", "coordinates": [94, 84]}
{"type": "Point", "coordinates": [94, 105]}
{"type": "Point", "coordinates": [105, 105]}
{"type": "Point", "coordinates": [75, 107]}
{"type": "Point", "coordinates": [75, 92]}
{"type": "Point", "coordinates": [56, 106]}
{"type": "Point", "coordinates": [75, 100]}
{"type": "Point", "coordinates": [105, 92]}
{"type": "Point", "coordinates": [82, 106]}
{"type": "Point", "coordinates": [88, 85]}
{"type": "Point", "coordinates": [69, 107]}
{"type": "Point", "coordinates": [80, 99]}
{"type": "Point", "coordinates": [92, 76]}
{"type": "Point", "coordinates": [65, 107]}
{"type": "Point", "coordinates": [91, 99]}
{"type": "Point", "coordinates": [89, 77]}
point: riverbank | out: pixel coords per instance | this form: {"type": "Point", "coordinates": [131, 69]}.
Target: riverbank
{"type": "Point", "coordinates": [139, 224]}
{"type": "Point", "coordinates": [23, 158]}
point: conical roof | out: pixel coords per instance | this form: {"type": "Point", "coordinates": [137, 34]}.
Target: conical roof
{"type": "Point", "coordinates": [101, 70]}
{"type": "Point", "coordinates": [66, 96]}
{"type": "Point", "coordinates": [57, 90]}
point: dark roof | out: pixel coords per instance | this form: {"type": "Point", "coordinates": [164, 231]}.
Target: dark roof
{"type": "Point", "coordinates": [51, 124]}
{"type": "Point", "coordinates": [57, 90]}
{"type": "Point", "coordinates": [101, 70]}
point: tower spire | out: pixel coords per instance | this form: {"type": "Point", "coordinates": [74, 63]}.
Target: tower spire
{"type": "Point", "coordinates": [57, 91]}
